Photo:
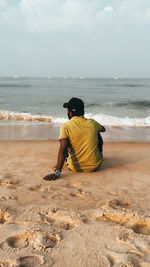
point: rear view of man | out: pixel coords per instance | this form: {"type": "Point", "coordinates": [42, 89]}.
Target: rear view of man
{"type": "Point", "coordinates": [80, 141]}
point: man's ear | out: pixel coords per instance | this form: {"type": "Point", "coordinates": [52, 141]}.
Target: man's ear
{"type": "Point", "coordinates": [70, 113]}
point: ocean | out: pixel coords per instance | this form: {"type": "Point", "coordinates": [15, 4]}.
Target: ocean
{"type": "Point", "coordinates": [113, 102]}
{"type": "Point", "coordinates": [39, 101]}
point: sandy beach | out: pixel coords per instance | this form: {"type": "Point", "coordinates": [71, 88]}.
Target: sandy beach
{"type": "Point", "coordinates": [26, 132]}
{"type": "Point", "coordinates": [82, 219]}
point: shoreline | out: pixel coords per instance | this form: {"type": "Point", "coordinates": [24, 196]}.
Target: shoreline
{"type": "Point", "coordinates": [51, 132]}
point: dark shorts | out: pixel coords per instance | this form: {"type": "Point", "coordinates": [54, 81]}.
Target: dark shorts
{"type": "Point", "coordinates": [100, 143]}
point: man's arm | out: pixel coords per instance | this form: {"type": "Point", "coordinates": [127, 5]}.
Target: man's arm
{"type": "Point", "coordinates": [62, 153]}
{"type": "Point", "coordinates": [103, 129]}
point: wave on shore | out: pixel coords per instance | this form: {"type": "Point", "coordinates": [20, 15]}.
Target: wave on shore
{"type": "Point", "coordinates": [22, 116]}
{"type": "Point", "coordinates": [107, 120]}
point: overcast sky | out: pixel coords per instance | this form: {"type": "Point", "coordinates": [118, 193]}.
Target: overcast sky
{"type": "Point", "coordinates": [93, 38]}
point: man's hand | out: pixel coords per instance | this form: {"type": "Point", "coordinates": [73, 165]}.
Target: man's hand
{"type": "Point", "coordinates": [50, 177]}
{"type": "Point", "coordinates": [60, 161]}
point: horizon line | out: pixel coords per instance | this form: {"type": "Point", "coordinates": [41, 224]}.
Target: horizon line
{"type": "Point", "coordinates": [72, 77]}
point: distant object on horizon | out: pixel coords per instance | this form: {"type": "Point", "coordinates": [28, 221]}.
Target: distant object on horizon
{"type": "Point", "coordinates": [82, 78]}
{"type": "Point", "coordinates": [16, 76]}
{"type": "Point", "coordinates": [116, 78]}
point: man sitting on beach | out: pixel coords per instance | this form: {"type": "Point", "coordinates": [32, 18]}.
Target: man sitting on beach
{"type": "Point", "coordinates": [80, 141]}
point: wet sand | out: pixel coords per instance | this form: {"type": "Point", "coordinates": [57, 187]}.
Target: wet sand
{"type": "Point", "coordinates": [82, 219]}
{"type": "Point", "coordinates": [51, 132]}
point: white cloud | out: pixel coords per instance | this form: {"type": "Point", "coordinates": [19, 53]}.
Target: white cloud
{"type": "Point", "coordinates": [54, 15]}
{"type": "Point", "coordinates": [105, 11]}
{"type": "Point", "coordinates": [43, 15]}
{"type": "Point", "coordinates": [108, 9]}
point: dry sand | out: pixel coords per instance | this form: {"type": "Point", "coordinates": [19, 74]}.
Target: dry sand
{"type": "Point", "coordinates": [83, 219]}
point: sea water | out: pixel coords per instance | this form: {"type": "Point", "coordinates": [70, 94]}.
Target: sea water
{"type": "Point", "coordinates": [112, 102]}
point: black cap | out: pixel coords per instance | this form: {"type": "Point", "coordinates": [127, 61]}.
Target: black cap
{"type": "Point", "coordinates": [75, 105]}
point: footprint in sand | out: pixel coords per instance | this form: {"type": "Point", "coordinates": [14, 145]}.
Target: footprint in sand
{"type": "Point", "coordinates": [117, 218]}
{"type": "Point", "coordinates": [139, 245]}
{"type": "Point", "coordinates": [8, 175]}
{"type": "Point", "coordinates": [9, 183]}
{"type": "Point", "coordinates": [46, 241]}
{"type": "Point", "coordinates": [78, 194]}
{"type": "Point", "coordinates": [37, 188]}
{"type": "Point", "coordinates": [77, 191]}
{"type": "Point", "coordinates": [123, 260]}
{"type": "Point", "coordinates": [37, 240]}
{"type": "Point", "coordinates": [129, 258]}
{"type": "Point", "coordinates": [61, 219]}
{"type": "Point", "coordinates": [31, 261]}
{"type": "Point", "coordinates": [4, 198]}
{"type": "Point", "coordinates": [119, 203]}
{"type": "Point", "coordinates": [64, 223]}
{"type": "Point", "coordinates": [142, 228]}
{"type": "Point", "coordinates": [136, 224]}
{"type": "Point", "coordinates": [4, 216]}
{"type": "Point", "coordinates": [118, 259]}
{"type": "Point", "coordinates": [8, 263]}
{"type": "Point", "coordinates": [17, 242]}
{"type": "Point", "coordinates": [115, 211]}
{"type": "Point", "coordinates": [136, 234]}
{"type": "Point", "coordinates": [77, 184]}
{"type": "Point", "coordinates": [142, 244]}
{"type": "Point", "coordinates": [136, 248]}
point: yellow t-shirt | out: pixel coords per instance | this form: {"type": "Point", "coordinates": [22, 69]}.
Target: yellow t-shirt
{"type": "Point", "coordinates": [82, 133]}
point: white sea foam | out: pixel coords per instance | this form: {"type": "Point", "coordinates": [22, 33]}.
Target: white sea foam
{"type": "Point", "coordinates": [118, 121]}
{"type": "Point", "coordinates": [112, 120]}
{"type": "Point", "coordinates": [59, 120]}
{"type": "Point", "coordinates": [106, 120]}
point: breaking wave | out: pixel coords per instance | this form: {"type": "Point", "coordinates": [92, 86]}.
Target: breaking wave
{"type": "Point", "coordinates": [118, 121]}
{"type": "Point", "coordinates": [22, 117]}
